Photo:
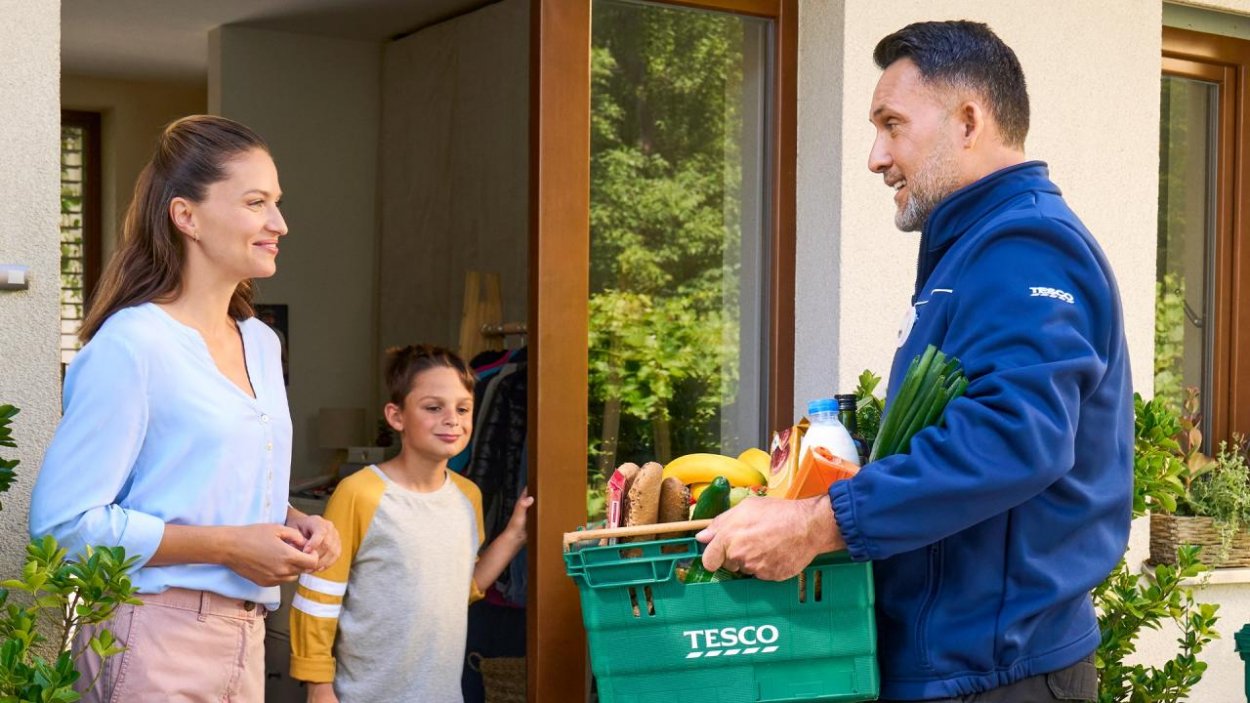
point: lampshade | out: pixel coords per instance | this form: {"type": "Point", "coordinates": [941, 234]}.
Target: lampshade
{"type": "Point", "coordinates": [339, 428]}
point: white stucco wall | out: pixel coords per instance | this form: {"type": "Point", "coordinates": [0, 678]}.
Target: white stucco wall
{"type": "Point", "coordinates": [845, 221]}
{"type": "Point", "coordinates": [316, 101]}
{"type": "Point", "coordinates": [30, 142]}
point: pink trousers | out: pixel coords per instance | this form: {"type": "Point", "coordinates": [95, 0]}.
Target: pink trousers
{"type": "Point", "coordinates": [181, 647]}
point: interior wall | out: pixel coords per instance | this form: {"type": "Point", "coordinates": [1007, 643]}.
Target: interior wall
{"type": "Point", "coordinates": [133, 113]}
{"type": "Point", "coordinates": [316, 101]}
{"type": "Point", "coordinates": [30, 168]}
{"type": "Point", "coordinates": [455, 171]}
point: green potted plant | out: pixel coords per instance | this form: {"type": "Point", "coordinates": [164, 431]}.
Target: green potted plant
{"type": "Point", "coordinates": [1213, 512]}
{"type": "Point", "coordinates": [54, 598]}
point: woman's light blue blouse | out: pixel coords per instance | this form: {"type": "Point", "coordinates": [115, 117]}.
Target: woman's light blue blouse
{"type": "Point", "coordinates": [153, 434]}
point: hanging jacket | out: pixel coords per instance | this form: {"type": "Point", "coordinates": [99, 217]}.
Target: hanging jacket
{"type": "Point", "coordinates": [989, 534]}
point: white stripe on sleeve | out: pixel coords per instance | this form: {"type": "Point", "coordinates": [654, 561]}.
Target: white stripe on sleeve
{"type": "Point", "coordinates": [320, 585]}
{"type": "Point", "coordinates": [315, 609]}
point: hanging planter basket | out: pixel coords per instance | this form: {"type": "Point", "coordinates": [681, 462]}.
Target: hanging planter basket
{"type": "Point", "coordinates": [1169, 532]}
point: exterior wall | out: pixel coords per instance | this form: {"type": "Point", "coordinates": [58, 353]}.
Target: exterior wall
{"type": "Point", "coordinates": [316, 101]}
{"type": "Point", "coordinates": [846, 214]}
{"type": "Point", "coordinates": [133, 113]}
{"type": "Point", "coordinates": [30, 185]}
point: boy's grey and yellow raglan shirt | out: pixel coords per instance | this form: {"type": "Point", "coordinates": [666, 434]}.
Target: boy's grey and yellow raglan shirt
{"type": "Point", "coordinates": [388, 620]}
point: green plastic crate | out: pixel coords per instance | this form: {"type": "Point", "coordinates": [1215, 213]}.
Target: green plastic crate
{"type": "Point", "coordinates": [653, 639]}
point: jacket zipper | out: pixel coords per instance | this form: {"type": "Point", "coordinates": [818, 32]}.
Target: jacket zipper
{"type": "Point", "coordinates": [922, 263]}
{"type": "Point", "coordinates": [933, 585]}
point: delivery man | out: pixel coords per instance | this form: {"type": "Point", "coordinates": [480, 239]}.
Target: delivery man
{"type": "Point", "coordinates": [989, 534]}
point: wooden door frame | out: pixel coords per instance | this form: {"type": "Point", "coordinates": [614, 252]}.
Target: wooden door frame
{"type": "Point", "coordinates": [560, 277]}
{"type": "Point", "coordinates": [1226, 62]}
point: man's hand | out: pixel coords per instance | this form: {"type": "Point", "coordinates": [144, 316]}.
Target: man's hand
{"type": "Point", "coordinates": [267, 554]}
{"type": "Point", "coordinates": [771, 539]}
{"type": "Point", "coordinates": [322, 693]}
{"type": "Point", "coordinates": [321, 537]}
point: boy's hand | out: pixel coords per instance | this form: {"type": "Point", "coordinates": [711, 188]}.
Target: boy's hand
{"type": "Point", "coordinates": [516, 524]}
{"type": "Point", "coordinates": [322, 693]}
{"type": "Point", "coordinates": [320, 535]}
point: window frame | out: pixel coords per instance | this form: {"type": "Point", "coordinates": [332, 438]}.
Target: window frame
{"type": "Point", "coordinates": [1224, 61]}
{"type": "Point", "coordinates": [559, 271]}
{"type": "Point", "coordinates": [92, 207]}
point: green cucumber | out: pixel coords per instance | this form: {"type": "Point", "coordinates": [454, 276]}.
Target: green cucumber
{"type": "Point", "coordinates": [713, 501]}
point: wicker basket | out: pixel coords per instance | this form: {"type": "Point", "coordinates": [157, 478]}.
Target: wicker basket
{"type": "Point", "coordinates": [503, 678]}
{"type": "Point", "coordinates": [1168, 532]}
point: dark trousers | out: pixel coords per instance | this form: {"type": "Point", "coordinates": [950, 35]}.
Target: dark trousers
{"type": "Point", "coordinates": [1078, 682]}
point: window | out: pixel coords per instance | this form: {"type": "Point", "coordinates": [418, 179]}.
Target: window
{"type": "Point", "coordinates": [80, 222]}
{"type": "Point", "coordinates": [679, 198]}
{"type": "Point", "coordinates": [1202, 325]}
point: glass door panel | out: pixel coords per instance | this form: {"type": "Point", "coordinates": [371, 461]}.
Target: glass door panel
{"type": "Point", "coordinates": [679, 211]}
{"type": "Point", "coordinates": [1184, 309]}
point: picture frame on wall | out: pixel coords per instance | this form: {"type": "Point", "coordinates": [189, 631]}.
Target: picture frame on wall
{"type": "Point", "coordinates": [275, 315]}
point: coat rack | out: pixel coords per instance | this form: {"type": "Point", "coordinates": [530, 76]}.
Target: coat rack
{"type": "Point", "coordinates": [481, 320]}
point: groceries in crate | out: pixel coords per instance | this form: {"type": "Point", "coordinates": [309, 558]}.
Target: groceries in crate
{"type": "Point", "coordinates": [932, 380]}
{"type": "Point", "coordinates": [810, 456]}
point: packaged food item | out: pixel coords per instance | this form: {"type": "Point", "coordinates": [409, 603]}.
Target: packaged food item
{"type": "Point", "coordinates": [823, 453]}
{"type": "Point", "coordinates": [784, 458]}
{"type": "Point", "coordinates": [617, 485]}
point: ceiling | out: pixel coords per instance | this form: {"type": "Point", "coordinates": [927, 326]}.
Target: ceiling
{"type": "Point", "coordinates": [168, 39]}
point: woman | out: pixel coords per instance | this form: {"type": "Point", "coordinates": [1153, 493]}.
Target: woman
{"type": "Point", "coordinates": [176, 436]}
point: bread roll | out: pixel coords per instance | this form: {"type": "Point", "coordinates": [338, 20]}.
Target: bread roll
{"type": "Point", "coordinates": [642, 499]}
{"type": "Point", "coordinates": [674, 500]}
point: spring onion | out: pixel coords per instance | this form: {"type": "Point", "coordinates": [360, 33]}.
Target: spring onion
{"type": "Point", "coordinates": [932, 380]}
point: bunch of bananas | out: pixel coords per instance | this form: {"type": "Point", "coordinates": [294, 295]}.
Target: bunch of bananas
{"type": "Point", "coordinates": [697, 470]}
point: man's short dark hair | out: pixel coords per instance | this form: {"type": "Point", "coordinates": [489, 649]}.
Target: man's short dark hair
{"type": "Point", "coordinates": [968, 55]}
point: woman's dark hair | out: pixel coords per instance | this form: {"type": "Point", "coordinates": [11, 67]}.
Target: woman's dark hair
{"type": "Point", "coordinates": [191, 155]}
{"type": "Point", "coordinates": [968, 55]}
{"type": "Point", "coordinates": [404, 364]}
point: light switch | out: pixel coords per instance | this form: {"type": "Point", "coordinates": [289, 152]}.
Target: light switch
{"type": "Point", "coordinates": [14, 277]}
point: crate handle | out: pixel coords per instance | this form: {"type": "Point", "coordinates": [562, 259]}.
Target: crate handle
{"type": "Point", "coordinates": [571, 538]}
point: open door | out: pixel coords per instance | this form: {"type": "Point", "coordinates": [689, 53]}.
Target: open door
{"type": "Point", "coordinates": [721, 247]}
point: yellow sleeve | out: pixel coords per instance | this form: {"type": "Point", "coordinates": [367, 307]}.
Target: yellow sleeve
{"type": "Point", "coordinates": [474, 494]}
{"type": "Point", "coordinates": [319, 597]}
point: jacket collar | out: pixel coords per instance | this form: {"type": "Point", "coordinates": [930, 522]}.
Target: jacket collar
{"type": "Point", "coordinates": [962, 210]}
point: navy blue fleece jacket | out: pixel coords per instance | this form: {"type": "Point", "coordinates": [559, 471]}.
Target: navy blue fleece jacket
{"type": "Point", "coordinates": [989, 534]}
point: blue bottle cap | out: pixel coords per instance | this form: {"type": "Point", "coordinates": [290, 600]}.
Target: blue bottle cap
{"type": "Point", "coordinates": [822, 405]}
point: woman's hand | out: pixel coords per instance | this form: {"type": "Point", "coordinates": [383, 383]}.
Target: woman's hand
{"type": "Point", "coordinates": [267, 554]}
{"type": "Point", "coordinates": [322, 537]}
{"type": "Point", "coordinates": [322, 693]}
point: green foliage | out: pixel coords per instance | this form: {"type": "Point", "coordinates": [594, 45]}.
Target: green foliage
{"type": "Point", "coordinates": [868, 407]}
{"type": "Point", "coordinates": [7, 466]}
{"type": "Point", "coordinates": [1158, 466]}
{"type": "Point", "coordinates": [1169, 338]}
{"type": "Point", "coordinates": [665, 232]}
{"type": "Point", "coordinates": [1222, 493]}
{"type": "Point", "coordinates": [57, 596]}
{"type": "Point", "coordinates": [1129, 602]}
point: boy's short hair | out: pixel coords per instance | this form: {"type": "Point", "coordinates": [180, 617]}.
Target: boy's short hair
{"type": "Point", "coordinates": [403, 364]}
